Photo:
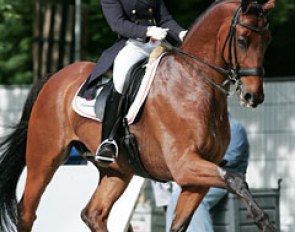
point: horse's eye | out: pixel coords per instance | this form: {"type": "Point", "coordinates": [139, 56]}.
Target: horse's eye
{"type": "Point", "coordinates": [243, 42]}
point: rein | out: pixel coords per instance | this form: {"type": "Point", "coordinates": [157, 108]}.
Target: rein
{"type": "Point", "coordinates": [233, 71]}
{"type": "Point", "coordinates": [183, 55]}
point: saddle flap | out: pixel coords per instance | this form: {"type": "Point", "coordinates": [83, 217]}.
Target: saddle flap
{"type": "Point", "coordinates": [136, 89]}
{"type": "Point", "coordinates": [133, 82]}
{"type": "Point", "coordinates": [101, 99]}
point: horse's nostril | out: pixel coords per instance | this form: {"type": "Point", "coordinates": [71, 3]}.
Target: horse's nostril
{"type": "Point", "coordinates": [248, 96]}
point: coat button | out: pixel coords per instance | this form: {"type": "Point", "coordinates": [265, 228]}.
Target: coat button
{"type": "Point", "coordinates": [150, 10]}
{"type": "Point", "coordinates": [133, 11]}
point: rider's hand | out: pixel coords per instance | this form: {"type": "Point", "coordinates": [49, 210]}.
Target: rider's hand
{"type": "Point", "coordinates": [157, 33]}
{"type": "Point", "coordinates": [181, 35]}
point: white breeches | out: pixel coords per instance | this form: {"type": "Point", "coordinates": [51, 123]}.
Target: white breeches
{"type": "Point", "coordinates": [133, 52]}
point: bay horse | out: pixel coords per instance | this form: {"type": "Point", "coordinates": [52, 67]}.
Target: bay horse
{"type": "Point", "coordinates": [182, 134]}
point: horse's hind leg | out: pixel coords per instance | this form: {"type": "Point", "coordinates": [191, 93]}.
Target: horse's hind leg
{"type": "Point", "coordinates": [42, 160]}
{"type": "Point", "coordinates": [237, 184]}
{"type": "Point", "coordinates": [96, 212]}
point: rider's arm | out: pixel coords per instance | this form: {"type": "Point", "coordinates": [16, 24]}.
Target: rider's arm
{"type": "Point", "coordinates": [166, 21]}
{"type": "Point", "coordinates": [119, 22]}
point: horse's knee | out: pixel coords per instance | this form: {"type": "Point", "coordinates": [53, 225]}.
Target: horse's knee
{"type": "Point", "coordinates": [88, 216]}
{"type": "Point", "coordinates": [94, 220]}
{"type": "Point", "coordinates": [236, 183]}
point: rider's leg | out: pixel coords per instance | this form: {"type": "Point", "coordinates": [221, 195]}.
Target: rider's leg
{"type": "Point", "coordinates": [126, 58]}
{"type": "Point", "coordinates": [108, 150]}
{"type": "Point", "coordinates": [133, 52]}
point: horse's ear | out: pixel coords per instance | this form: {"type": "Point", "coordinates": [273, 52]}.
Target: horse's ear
{"type": "Point", "coordinates": [245, 5]}
{"type": "Point", "coordinates": [268, 5]}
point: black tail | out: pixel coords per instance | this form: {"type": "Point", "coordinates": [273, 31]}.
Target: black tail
{"type": "Point", "coordinates": [12, 162]}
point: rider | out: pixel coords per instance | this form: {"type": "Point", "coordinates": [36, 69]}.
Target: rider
{"type": "Point", "coordinates": [136, 22]}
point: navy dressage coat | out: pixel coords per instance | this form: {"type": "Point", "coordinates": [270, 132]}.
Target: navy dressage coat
{"type": "Point", "coordinates": [130, 19]}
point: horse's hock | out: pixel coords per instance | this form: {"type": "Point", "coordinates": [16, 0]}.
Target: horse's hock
{"type": "Point", "coordinates": [229, 215]}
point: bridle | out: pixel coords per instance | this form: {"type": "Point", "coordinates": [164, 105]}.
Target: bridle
{"type": "Point", "coordinates": [233, 71]}
{"type": "Point", "coordinates": [234, 68]}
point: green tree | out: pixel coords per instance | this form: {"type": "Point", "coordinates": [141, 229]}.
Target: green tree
{"type": "Point", "coordinates": [280, 54]}
{"type": "Point", "coordinates": [97, 36]}
{"type": "Point", "coordinates": [15, 41]}
{"type": "Point", "coordinates": [279, 59]}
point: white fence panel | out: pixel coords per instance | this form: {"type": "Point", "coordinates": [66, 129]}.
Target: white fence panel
{"type": "Point", "coordinates": [271, 132]}
{"type": "Point", "coordinates": [11, 103]}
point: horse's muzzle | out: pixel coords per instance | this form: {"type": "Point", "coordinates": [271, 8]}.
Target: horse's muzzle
{"type": "Point", "coordinates": [250, 99]}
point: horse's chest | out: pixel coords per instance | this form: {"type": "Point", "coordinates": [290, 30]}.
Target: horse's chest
{"type": "Point", "coordinates": [214, 145]}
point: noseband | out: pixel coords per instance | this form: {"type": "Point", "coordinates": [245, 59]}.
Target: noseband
{"type": "Point", "coordinates": [233, 71]}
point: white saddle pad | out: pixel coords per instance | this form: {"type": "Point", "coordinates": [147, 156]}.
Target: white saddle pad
{"type": "Point", "coordinates": [85, 108]}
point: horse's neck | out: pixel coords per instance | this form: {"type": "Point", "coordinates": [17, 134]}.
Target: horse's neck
{"type": "Point", "coordinates": [189, 85]}
{"type": "Point", "coordinates": [204, 46]}
{"type": "Point", "coordinates": [203, 40]}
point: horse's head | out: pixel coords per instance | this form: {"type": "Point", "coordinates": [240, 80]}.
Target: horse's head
{"type": "Point", "coordinates": [231, 38]}
{"type": "Point", "coordinates": [245, 46]}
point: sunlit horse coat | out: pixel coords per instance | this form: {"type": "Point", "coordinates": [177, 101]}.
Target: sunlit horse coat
{"type": "Point", "coordinates": [130, 19]}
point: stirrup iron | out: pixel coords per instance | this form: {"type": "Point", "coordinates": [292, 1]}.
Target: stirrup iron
{"type": "Point", "coordinates": [99, 158]}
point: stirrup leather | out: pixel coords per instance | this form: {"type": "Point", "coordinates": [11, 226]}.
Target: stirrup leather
{"type": "Point", "coordinates": [103, 158]}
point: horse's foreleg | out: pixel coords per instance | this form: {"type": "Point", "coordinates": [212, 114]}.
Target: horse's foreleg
{"type": "Point", "coordinates": [188, 201]}
{"type": "Point", "coordinates": [237, 185]}
{"type": "Point", "coordinates": [96, 212]}
{"type": "Point", "coordinates": [198, 172]}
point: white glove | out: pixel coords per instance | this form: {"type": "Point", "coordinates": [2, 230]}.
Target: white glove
{"type": "Point", "coordinates": [157, 33]}
{"type": "Point", "coordinates": [181, 35]}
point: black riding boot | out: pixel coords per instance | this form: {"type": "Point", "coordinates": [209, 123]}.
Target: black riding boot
{"type": "Point", "coordinates": [107, 152]}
